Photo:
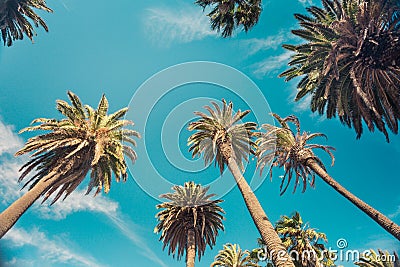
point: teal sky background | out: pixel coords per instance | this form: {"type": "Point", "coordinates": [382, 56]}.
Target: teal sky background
{"type": "Point", "coordinates": [114, 48]}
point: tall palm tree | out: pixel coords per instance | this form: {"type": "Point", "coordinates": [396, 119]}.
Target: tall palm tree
{"type": "Point", "coordinates": [227, 15]}
{"type": "Point", "coordinates": [220, 137]}
{"type": "Point", "coordinates": [380, 259]}
{"type": "Point", "coordinates": [85, 140]}
{"type": "Point", "coordinates": [233, 256]}
{"type": "Point", "coordinates": [350, 62]}
{"type": "Point", "coordinates": [296, 156]}
{"type": "Point", "coordinates": [15, 16]}
{"type": "Point", "coordinates": [190, 221]}
{"type": "Point", "coordinates": [303, 242]}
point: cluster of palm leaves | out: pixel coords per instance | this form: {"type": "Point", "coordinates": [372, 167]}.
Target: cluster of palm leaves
{"type": "Point", "coordinates": [85, 140]}
{"type": "Point", "coordinates": [291, 151]}
{"type": "Point", "coordinates": [15, 16]}
{"type": "Point", "coordinates": [380, 259]}
{"type": "Point", "coordinates": [221, 129]}
{"type": "Point", "coordinates": [299, 237]}
{"type": "Point", "coordinates": [304, 244]}
{"type": "Point", "coordinates": [227, 15]}
{"type": "Point", "coordinates": [350, 63]}
{"type": "Point", "coordinates": [189, 215]}
{"type": "Point", "coordinates": [350, 67]}
{"type": "Point", "coordinates": [232, 255]}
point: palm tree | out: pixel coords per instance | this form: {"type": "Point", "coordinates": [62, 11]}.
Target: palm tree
{"type": "Point", "coordinates": [86, 140]}
{"type": "Point", "coordinates": [14, 19]}
{"type": "Point", "coordinates": [296, 156]}
{"type": "Point", "coordinates": [221, 138]}
{"type": "Point", "coordinates": [382, 259]}
{"type": "Point", "coordinates": [190, 221]}
{"type": "Point", "coordinates": [233, 256]}
{"type": "Point", "coordinates": [303, 242]}
{"type": "Point", "coordinates": [350, 62]}
{"type": "Point", "coordinates": [227, 15]}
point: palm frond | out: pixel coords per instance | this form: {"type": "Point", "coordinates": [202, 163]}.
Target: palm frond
{"type": "Point", "coordinates": [77, 145]}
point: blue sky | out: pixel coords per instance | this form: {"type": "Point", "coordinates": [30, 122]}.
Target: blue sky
{"type": "Point", "coordinates": [113, 49]}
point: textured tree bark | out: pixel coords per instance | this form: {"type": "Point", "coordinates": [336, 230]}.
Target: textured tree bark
{"type": "Point", "coordinates": [190, 249]}
{"type": "Point", "coordinates": [10, 215]}
{"type": "Point", "coordinates": [374, 214]}
{"type": "Point", "coordinates": [275, 248]}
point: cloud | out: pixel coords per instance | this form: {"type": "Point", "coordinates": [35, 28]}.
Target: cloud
{"type": "Point", "coordinates": [303, 104]}
{"type": "Point", "coordinates": [271, 65]}
{"type": "Point", "coordinates": [395, 214]}
{"type": "Point", "coordinates": [54, 251]}
{"type": "Point", "coordinates": [76, 202]}
{"type": "Point", "coordinates": [306, 2]}
{"type": "Point", "coordinates": [9, 142]}
{"type": "Point", "coordinates": [126, 228]}
{"type": "Point", "coordinates": [384, 243]}
{"type": "Point", "coordinates": [256, 45]}
{"type": "Point", "coordinates": [181, 25]}
{"type": "Point", "coordinates": [19, 262]}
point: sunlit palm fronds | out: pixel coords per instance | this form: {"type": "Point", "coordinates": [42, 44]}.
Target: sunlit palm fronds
{"type": "Point", "coordinates": [85, 140]}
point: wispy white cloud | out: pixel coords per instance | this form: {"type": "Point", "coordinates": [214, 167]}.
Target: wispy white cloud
{"type": "Point", "coordinates": [9, 142]}
{"type": "Point", "coordinates": [306, 2]}
{"type": "Point", "coordinates": [76, 202]}
{"type": "Point", "coordinates": [271, 65]}
{"type": "Point", "coordinates": [52, 250]}
{"type": "Point", "coordinates": [395, 214]}
{"type": "Point", "coordinates": [177, 25]}
{"type": "Point", "coordinates": [255, 45]}
{"type": "Point", "coordinates": [383, 243]}
{"type": "Point", "coordinates": [303, 104]}
{"type": "Point", "coordinates": [126, 227]}
{"type": "Point", "coordinates": [19, 262]}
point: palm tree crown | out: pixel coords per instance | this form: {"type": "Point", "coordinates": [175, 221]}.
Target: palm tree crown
{"type": "Point", "coordinates": [299, 237]}
{"type": "Point", "coordinates": [85, 140]}
{"type": "Point", "coordinates": [290, 150]}
{"type": "Point", "coordinates": [226, 15]}
{"type": "Point", "coordinates": [302, 242]}
{"type": "Point", "coordinates": [190, 208]}
{"type": "Point", "coordinates": [14, 19]}
{"type": "Point", "coordinates": [350, 62]}
{"type": "Point", "coordinates": [380, 259]}
{"type": "Point", "coordinates": [219, 128]}
{"type": "Point", "coordinates": [233, 256]}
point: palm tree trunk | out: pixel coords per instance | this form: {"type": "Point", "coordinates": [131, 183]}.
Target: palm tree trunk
{"type": "Point", "coordinates": [374, 214]}
{"type": "Point", "coordinates": [10, 215]}
{"type": "Point", "coordinates": [276, 250]}
{"type": "Point", "coordinates": [190, 249]}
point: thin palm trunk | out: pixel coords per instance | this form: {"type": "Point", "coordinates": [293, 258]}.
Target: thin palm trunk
{"type": "Point", "coordinates": [190, 249]}
{"type": "Point", "coordinates": [11, 215]}
{"type": "Point", "coordinates": [374, 214]}
{"type": "Point", "coordinates": [272, 241]}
